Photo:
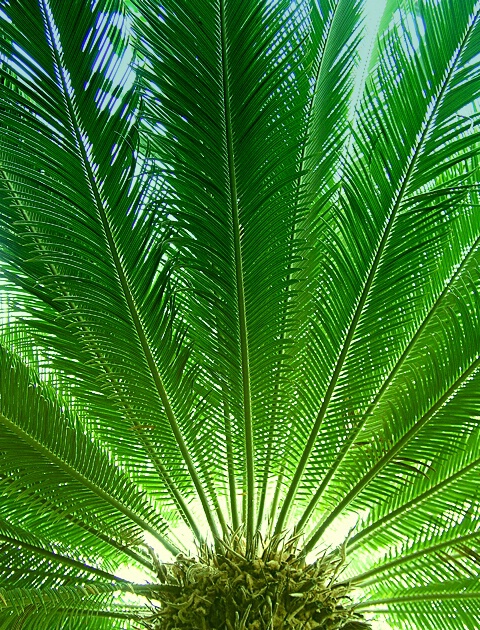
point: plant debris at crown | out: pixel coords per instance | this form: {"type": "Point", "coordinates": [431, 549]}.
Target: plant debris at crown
{"type": "Point", "coordinates": [275, 591]}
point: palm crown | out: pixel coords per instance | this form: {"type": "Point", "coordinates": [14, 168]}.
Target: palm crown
{"type": "Point", "coordinates": [239, 248]}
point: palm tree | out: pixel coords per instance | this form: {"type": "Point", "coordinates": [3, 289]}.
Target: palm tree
{"type": "Point", "coordinates": [239, 360]}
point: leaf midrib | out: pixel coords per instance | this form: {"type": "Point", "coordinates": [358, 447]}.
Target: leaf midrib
{"type": "Point", "coordinates": [239, 277]}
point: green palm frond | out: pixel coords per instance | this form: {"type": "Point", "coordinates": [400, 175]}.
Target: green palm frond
{"type": "Point", "coordinates": [41, 439]}
{"type": "Point", "coordinates": [449, 603]}
{"type": "Point", "coordinates": [390, 212]}
{"type": "Point", "coordinates": [96, 606]}
{"type": "Point", "coordinates": [239, 261]}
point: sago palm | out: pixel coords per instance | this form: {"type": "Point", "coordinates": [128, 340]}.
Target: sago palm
{"type": "Point", "coordinates": [239, 361]}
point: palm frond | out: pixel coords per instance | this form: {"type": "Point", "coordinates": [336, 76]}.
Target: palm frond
{"type": "Point", "coordinates": [96, 605]}
{"type": "Point", "coordinates": [443, 604]}
{"type": "Point", "coordinates": [392, 288]}
{"type": "Point", "coordinates": [44, 445]}
{"type": "Point", "coordinates": [80, 219]}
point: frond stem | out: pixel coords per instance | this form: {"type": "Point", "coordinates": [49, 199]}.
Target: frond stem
{"type": "Point", "coordinates": [302, 160]}
{"type": "Point", "coordinates": [353, 543]}
{"type": "Point", "coordinates": [422, 597]}
{"type": "Point", "coordinates": [242, 315]}
{"type": "Point", "coordinates": [351, 439]}
{"type": "Point", "coordinates": [33, 443]}
{"type": "Point", "coordinates": [232, 486]}
{"type": "Point", "coordinates": [123, 548]}
{"type": "Point", "coordinates": [163, 473]}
